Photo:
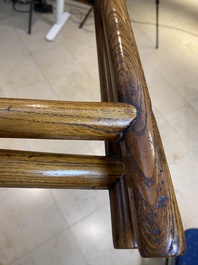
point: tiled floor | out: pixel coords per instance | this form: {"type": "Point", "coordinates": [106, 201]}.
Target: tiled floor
{"type": "Point", "coordinates": [48, 227]}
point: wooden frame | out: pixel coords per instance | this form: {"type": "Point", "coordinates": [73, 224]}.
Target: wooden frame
{"type": "Point", "coordinates": [144, 210]}
{"type": "Point", "coordinates": [156, 220]}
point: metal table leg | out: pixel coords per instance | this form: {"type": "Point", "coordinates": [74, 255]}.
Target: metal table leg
{"type": "Point", "coordinates": [157, 23]}
{"type": "Point", "coordinates": [61, 18]}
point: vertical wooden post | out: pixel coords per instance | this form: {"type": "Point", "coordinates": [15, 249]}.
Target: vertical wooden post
{"type": "Point", "coordinates": [121, 217]}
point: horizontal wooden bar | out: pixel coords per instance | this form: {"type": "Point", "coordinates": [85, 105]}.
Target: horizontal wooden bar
{"type": "Point", "coordinates": [22, 118]}
{"type": "Point", "coordinates": [156, 218]}
{"type": "Point", "coordinates": [43, 170]}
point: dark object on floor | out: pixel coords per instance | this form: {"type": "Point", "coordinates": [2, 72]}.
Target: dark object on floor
{"type": "Point", "coordinates": [21, 3]}
{"type": "Point", "coordinates": [43, 8]}
{"type": "Point", "coordinates": [38, 5]}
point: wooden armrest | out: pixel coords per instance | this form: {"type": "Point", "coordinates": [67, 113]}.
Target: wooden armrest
{"type": "Point", "coordinates": [156, 218]}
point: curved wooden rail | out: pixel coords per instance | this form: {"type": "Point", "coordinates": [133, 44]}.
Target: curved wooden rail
{"type": "Point", "coordinates": [156, 217]}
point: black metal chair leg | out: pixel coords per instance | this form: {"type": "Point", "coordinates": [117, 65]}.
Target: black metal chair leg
{"type": "Point", "coordinates": [88, 13]}
{"type": "Point", "coordinates": [30, 16]}
{"type": "Point", "coordinates": [157, 23]}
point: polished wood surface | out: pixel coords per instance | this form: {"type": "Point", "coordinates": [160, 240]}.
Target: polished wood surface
{"type": "Point", "coordinates": [156, 217]}
{"type": "Point", "coordinates": [22, 118]}
{"type": "Point", "coordinates": [144, 210]}
{"type": "Point", "coordinates": [43, 170]}
{"type": "Point", "coordinates": [121, 216]}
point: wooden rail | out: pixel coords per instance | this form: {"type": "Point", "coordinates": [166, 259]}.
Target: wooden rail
{"type": "Point", "coordinates": [156, 218]}
{"type": "Point", "coordinates": [42, 170]}
{"type": "Point", "coordinates": [22, 118]}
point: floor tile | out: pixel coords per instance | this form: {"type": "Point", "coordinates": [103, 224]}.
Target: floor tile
{"type": "Point", "coordinates": [27, 260]}
{"type": "Point", "coordinates": [36, 42]}
{"type": "Point", "coordinates": [14, 144]}
{"type": "Point", "coordinates": [60, 146]}
{"type": "Point", "coordinates": [192, 46]}
{"type": "Point", "coordinates": [59, 250]}
{"type": "Point", "coordinates": [185, 84]}
{"type": "Point", "coordinates": [77, 204]}
{"type": "Point", "coordinates": [193, 223]}
{"type": "Point", "coordinates": [29, 217]}
{"type": "Point", "coordinates": [54, 63]}
{"type": "Point", "coordinates": [10, 44]}
{"type": "Point", "coordinates": [3, 189]}
{"type": "Point", "coordinates": [76, 86]}
{"type": "Point", "coordinates": [170, 138]}
{"type": "Point", "coordinates": [194, 104]}
{"type": "Point", "coordinates": [165, 65]}
{"type": "Point", "coordinates": [94, 238]}
{"type": "Point", "coordinates": [184, 173]}
{"type": "Point", "coordinates": [161, 89]}
{"type": "Point", "coordinates": [18, 71]}
{"type": "Point", "coordinates": [151, 74]}
{"type": "Point", "coordinates": [40, 90]}
{"type": "Point", "coordinates": [187, 127]}
{"type": "Point", "coordinates": [97, 147]}
{"type": "Point", "coordinates": [181, 54]}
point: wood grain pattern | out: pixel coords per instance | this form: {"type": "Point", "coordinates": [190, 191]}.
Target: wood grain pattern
{"type": "Point", "coordinates": [44, 170]}
{"type": "Point", "coordinates": [156, 217]}
{"type": "Point", "coordinates": [21, 118]}
{"type": "Point", "coordinates": [121, 216]}
{"type": "Point", "coordinates": [136, 173]}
